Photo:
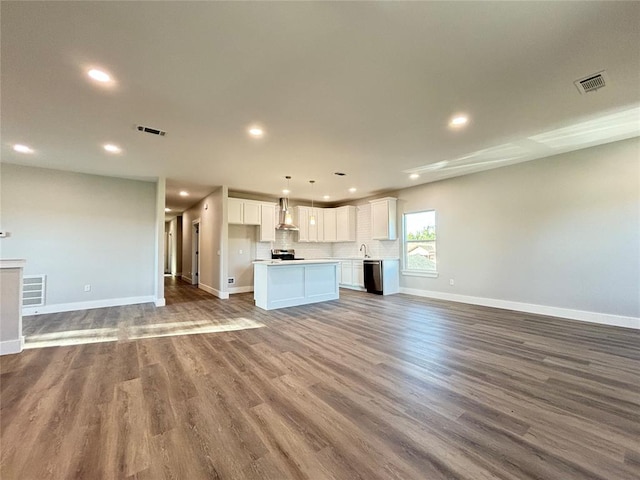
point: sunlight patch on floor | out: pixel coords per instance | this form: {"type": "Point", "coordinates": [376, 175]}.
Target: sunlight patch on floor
{"type": "Point", "coordinates": [138, 332]}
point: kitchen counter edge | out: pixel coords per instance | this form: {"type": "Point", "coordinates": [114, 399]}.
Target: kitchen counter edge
{"type": "Point", "coordinates": [281, 263]}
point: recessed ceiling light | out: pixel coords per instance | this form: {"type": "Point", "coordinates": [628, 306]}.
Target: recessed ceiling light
{"type": "Point", "coordinates": [99, 75]}
{"type": "Point", "coordinates": [184, 193]}
{"type": "Point", "coordinates": [459, 120]}
{"type": "Point", "coordinates": [326, 197]}
{"type": "Point", "coordinates": [286, 192]}
{"type": "Point", "coordinates": [256, 132]}
{"type": "Point", "coordinates": [22, 148]}
{"type": "Point", "coordinates": [352, 190]}
{"type": "Point", "coordinates": [111, 148]}
{"type": "Point", "coordinates": [167, 209]}
{"type": "Point", "coordinates": [413, 176]}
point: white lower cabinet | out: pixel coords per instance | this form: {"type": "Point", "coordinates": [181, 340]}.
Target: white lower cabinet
{"type": "Point", "coordinates": [358, 273]}
{"type": "Point", "coordinates": [346, 272]}
{"type": "Point", "coordinates": [351, 274]}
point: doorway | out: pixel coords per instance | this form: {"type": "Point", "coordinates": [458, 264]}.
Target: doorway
{"type": "Point", "coordinates": [168, 250]}
{"type": "Point", "coordinates": [195, 249]}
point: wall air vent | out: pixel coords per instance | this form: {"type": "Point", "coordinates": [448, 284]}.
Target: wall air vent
{"type": "Point", "coordinates": [33, 288]}
{"type": "Point", "coordinates": [592, 82]}
{"type": "Point", "coordinates": [154, 131]}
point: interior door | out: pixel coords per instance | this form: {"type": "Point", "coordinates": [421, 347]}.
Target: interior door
{"type": "Point", "coordinates": [196, 255]}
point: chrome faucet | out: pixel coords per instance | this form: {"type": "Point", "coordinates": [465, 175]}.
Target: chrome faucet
{"type": "Point", "coordinates": [366, 255]}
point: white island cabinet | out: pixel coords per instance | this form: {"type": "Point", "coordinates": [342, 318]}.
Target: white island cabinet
{"type": "Point", "coordinates": [280, 284]}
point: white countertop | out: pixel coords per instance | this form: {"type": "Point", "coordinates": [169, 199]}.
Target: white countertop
{"type": "Point", "coordinates": [284, 263]}
{"type": "Point", "coordinates": [362, 258]}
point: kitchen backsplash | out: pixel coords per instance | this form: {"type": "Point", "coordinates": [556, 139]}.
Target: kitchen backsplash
{"type": "Point", "coordinates": [286, 239]}
{"type": "Point", "coordinates": [376, 248]}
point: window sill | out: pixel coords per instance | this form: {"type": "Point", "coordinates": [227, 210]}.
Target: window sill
{"type": "Point", "coordinates": [417, 273]}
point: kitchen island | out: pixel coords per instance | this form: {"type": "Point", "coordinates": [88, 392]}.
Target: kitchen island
{"type": "Point", "coordinates": [280, 284]}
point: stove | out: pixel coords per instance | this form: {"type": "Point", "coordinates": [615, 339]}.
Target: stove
{"type": "Point", "coordinates": [284, 254]}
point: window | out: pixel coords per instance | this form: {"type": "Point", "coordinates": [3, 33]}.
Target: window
{"type": "Point", "coordinates": [420, 243]}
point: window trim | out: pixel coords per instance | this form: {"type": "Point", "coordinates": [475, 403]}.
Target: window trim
{"type": "Point", "coordinates": [414, 272]}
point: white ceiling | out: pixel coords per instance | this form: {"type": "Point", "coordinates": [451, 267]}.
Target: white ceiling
{"type": "Point", "coordinates": [363, 88]}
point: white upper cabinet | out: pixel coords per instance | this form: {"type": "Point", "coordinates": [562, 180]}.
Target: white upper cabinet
{"type": "Point", "coordinates": [383, 219]}
{"type": "Point", "coordinates": [234, 209]}
{"type": "Point", "coordinates": [303, 224]}
{"type": "Point", "coordinates": [251, 215]}
{"type": "Point", "coordinates": [330, 233]}
{"type": "Point", "coordinates": [346, 224]}
{"type": "Point", "coordinates": [308, 232]}
{"type": "Point", "coordinates": [268, 222]}
{"type": "Point", "coordinates": [243, 212]}
{"type": "Point", "coordinates": [316, 232]}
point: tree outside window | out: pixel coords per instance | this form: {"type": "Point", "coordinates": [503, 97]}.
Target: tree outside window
{"type": "Point", "coordinates": [420, 241]}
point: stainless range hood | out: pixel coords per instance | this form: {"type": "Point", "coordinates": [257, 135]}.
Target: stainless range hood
{"type": "Point", "coordinates": [284, 225]}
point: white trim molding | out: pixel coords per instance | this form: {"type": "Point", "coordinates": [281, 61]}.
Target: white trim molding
{"type": "Point", "coordinates": [9, 347]}
{"type": "Point", "coordinates": [186, 278]}
{"type": "Point", "coordinates": [13, 263]}
{"type": "Point", "coordinates": [213, 291]}
{"type": "Point", "coordinates": [72, 307]}
{"type": "Point", "coordinates": [419, 273]}
{"type": "Point", "coordinates": [353, 287]}
{"type": "Point", "coordinates": [571, 314]}
{"type": "Point", "coordinates": [160, 302]}
{"type": "Point", "coordinates": [240, 289]}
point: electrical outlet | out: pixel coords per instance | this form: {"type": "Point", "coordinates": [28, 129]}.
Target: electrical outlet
{"type": "Point", "coordinates": [452, 281]}
{"type": "Point", "coordinates": [87, 288]}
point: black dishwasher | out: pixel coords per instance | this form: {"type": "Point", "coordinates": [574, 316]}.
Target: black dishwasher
{"type": "Point", "coordinates": [373, 276]}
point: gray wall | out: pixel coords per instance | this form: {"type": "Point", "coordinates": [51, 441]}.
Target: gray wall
{"type": "Point", "coordinates": [210, 212]}
{"type": "Point", "coordinates": [242, 238]}
{"type": "Point", "coordinates": [563, 231]}
{"type": "Point", "coordinates": [80, 229]}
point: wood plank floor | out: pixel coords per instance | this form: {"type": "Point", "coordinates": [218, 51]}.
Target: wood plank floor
{"type": "Point", "coordinates": [366, 387]}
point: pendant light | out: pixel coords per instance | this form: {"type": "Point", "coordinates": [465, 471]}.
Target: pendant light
{"type": "Point", "coordinates": [312, 217]}
{"type": "Point", "coordinates": [287, 214]}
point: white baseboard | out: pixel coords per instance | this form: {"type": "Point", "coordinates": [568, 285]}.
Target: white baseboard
{"type": "Point", "coordinates": [9, 347]}
{"type": "Point", "coordinates": [240, 289]}
{"type": "Point", "coordinates": [584, 316]}
{"type": "Point", "coordinates": [71, 307]}
{"type": "Point", "coordinates": [353, 287]}
{"type": "Point", "coordinates": [186, 278]}
{"type": "Point", "coordinates": [160, 302]}
{"type": "Point", "coordinates": [213, 291]}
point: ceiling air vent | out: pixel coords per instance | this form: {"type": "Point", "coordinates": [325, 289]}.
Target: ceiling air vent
{"type": "Point", "coordinates": [154, 131]}
{"type": "Point", "coordinates": [591, 83]}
